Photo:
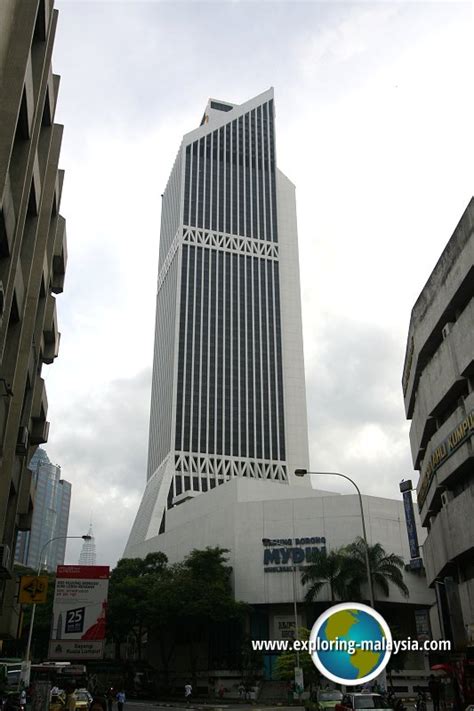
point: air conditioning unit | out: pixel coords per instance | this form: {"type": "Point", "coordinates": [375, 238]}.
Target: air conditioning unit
{"type": "Point", "coordinates": [39, 431]}
{"type": "Point", "coordinates": [447, 329]}
{"type": "Point", "coordinates": [22, 441]}
{"type": "Point", "coordinates": [5, 561]}
{"type": "Point", "coordinates": [446, 497]}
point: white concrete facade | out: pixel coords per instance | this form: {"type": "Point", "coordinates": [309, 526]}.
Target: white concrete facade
{"type": "Point", "coordinates": [240, 515]}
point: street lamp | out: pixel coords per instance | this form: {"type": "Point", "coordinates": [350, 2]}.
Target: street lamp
{"type": "Point", "coordinates": [86, 537]}
{"type": "Point", "coordinates": [303, 472]}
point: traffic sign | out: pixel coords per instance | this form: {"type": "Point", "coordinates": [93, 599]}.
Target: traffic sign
{"type": "Point", "coordinates": [33, 589]}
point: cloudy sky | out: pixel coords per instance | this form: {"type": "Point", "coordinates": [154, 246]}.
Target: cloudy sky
{"type": "Point", "coordinates": [374, 126]}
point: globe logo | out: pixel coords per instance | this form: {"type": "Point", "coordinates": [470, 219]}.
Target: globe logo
{"type": "Point", "coordinates": [350, 643]}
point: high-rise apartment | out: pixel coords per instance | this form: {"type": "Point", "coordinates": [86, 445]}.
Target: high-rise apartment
{"type": "Point", "coordinates": [228, 394]}
{"type": "Point", "coordinates": [50, 516]}
{"type": "Point", "coordinates": [32, 262]}
{"type": "Point", "coordinates": [438, 386]}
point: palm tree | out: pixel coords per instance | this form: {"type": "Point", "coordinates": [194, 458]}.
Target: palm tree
{"type": "Point", "coordinates": [335, 569]}
{"type": "Point", "coordinates": [385, 568]}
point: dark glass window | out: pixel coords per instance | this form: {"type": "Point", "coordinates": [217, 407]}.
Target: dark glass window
{"type": "Point", "coordinates": [227, 204]}
{"type": "Point", "coordinates": [264, 357]}
{"type": "Point", "coordinates": [203, 418]}
{"type": "Point", "coordinates": [187, 179]}
{"type": "Point", "coordinates": [250, 356]}
{"type": "Point", "coordinates": [230, 186]}
{"type": "Point", "coordinates": [279, 362]}
{"type": "Point", "coordinates": [220, 353]}
{"type": "Point", "coordinates": [230, 177]}
{"type": "Point", "coordinates": [193, 187]}
{"type": "Point", "coordinates": [257, 357]}
{"type": "Point", "coordinates": [212, 351]}
{"type": "Point", "coordinates": [272, 387]}
{"type": "Point", "coordinates": [220, 107]}
{"type": "Point", "coordinates": [182, 326]}
{"type": "Point", "coordinates": [228, 353]}
{"type": "Point", "coordinates": [189, 352]}
{"type": "Point", "coordinates": [215, 161]}
{"type": "Point", "coordinates": [197, 352]}
{"type": "Point", "coordinates": [243, 359]}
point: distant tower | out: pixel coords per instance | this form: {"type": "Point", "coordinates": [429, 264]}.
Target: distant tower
{"type": "Point", "coordinates": [50, 516]}
{"type": "Point", "coordinates": [88, 555]}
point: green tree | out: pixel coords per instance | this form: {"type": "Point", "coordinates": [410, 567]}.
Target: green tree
{"type": "Point", "coordinates": [286, 663]}
{"type": "Point", "coordinates": [334, 569]}
{"type": "Point", "coordinates": [131, 598]}
{"type": "Point", "coordinates": [172, 604]}
{"type": "Point", "coordinates": [386, 568]}
{"type": "Point", "coordinates": [397, 660]}
{"type": "Point", "coordinates": [205, 595]}
{"type": "Point", "coordinates": [251, 662]}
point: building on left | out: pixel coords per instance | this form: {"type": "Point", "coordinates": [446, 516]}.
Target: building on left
{"type": "Point", "coordinates": [32, 264]}
{"type": "Point", "coordinates": [50, 517]}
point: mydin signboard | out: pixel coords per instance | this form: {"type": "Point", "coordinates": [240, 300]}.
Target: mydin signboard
{"type": "Point", "coordinates": [79, 612]}
{"type": "Point", "coordinates": [281, 555]}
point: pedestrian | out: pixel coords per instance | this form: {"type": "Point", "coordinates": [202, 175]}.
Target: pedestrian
{"type": "Point", "coordinates": [290, 691]}
{"type": "Point", "coordinates": [98, 703]}
{"type": "Point", "coordinates": [120, 700]}
{"type": "Point", "coordinates": [434, 689]}
{"type": "Point", "coordinates": [71, 699]}
{"type": "Point", "coordinates": [110, 699]}
{"type": "Point", "coordinates": [221, 692]}
{"type": "Point", "coordinates": [241, 692]}
{"type": "Point", "coordinates": [188, 690]}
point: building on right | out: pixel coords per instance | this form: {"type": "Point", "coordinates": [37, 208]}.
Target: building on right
{"type": "Point", "coordinates": [438, 388]}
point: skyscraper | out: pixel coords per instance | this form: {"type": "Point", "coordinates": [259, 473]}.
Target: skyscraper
{"type": "Point", "coordinates": [50, 516]}
{"type": "Point", "coordinates": [228, 392]}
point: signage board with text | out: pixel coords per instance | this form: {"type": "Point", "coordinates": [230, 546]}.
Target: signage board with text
{"type": "Point", "coordinates": [79, 612]}
{"type": "Point", "coordinates": [282, 555]}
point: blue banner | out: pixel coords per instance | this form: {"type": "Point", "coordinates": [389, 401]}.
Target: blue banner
{"type": "Point", "coordinates": [411, 525]}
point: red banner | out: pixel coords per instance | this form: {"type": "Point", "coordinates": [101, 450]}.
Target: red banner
{"type": "Point", "coordinates": [85, 572]}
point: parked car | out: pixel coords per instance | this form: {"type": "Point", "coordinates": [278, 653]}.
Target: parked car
{"type": "Point", "coordinates": [83, 699]}
{"type": "Point", "coordinates": [327, 698]}
{"type": "Point", "coordinates": [376, 702]}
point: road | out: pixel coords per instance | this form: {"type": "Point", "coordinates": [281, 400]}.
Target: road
{"type": "Point", "coordinates": [156, 706]}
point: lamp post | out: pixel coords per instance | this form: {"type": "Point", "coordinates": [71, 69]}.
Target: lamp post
{"type": "Point", "coordinates": [303, 472]}
{"type": "Point", "coordinates": [56, 538]}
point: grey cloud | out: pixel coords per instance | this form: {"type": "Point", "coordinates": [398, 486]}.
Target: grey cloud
{"type": "Point", "coordinates": [100, 442]}
{"type": "Point", "coordinates": [357, 374]}
{"type": "Point", "coordinates": [356, 416]}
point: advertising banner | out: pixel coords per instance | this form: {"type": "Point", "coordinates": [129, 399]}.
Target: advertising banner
{"type": "Point", "coordinates": [422, 622]}
{"type": "Point", "coordinates": [411, 524]}
{"type": "Point", "coordinates": [79, 612]}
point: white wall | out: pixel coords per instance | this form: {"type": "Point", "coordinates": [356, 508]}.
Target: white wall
{"type": "Point", "coordinates": [239, 514]}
